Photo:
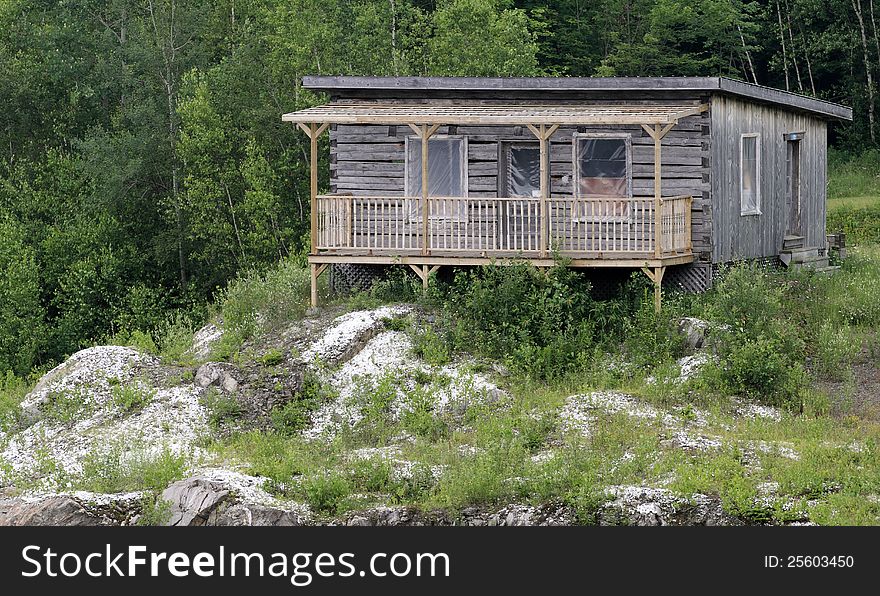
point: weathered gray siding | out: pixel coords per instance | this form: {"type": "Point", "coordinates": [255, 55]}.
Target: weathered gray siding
{"type": "Point", "coordinates": [369, 160]}
{"type": "Point", "coordinates": [751, 236]}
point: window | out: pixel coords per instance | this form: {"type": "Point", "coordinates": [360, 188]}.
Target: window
{"type": "Point", "coordinates": [447, 176]}
{"type": "Point", "coordinates": [447, 171]}
{"type": "Point", "coordinates": [750, 174]}
{"type": "Point", "coordinates": [603, 165]}
{"type": "Point", "coordinates": [521, 174]}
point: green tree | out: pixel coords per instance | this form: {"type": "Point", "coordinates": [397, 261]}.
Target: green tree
{"type": "Point", "coordinates": [21, 313]}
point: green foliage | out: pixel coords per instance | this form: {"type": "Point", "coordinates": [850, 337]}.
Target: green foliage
{"type": "Point", "coordinates": [155, 511]}
{"type": "Point", "coordinates": [12, 391]}
{"type": "Point", "coordinates": [852, 175]}
{"type": "Point", "coordinates": [860, 224]}
{"type": "Point", "coordinates": [429, 346]}
{"type": "Point", "coordinates": [539, 321]}
{"type": "Point", "coordinates": [66, 406]}
{"type": "Point", "coordinates": [295, 415]}
{"type": "Point", "coordinates": [130, 398]}
{"type": "Point", "coordinates": [327, 492]}
{"type": "Point", "coordinates": [222, 407]}
{"type": "Point", "coordinates": [21, 312]}
{"type": "Point", "coordinates": [256, 303]}
{"type": "Point", "coordinates": [117, 469]}
{"type": "Point", "coordinates": [272, 357]}
{"type": "Point", "coordinates": [481, 38]}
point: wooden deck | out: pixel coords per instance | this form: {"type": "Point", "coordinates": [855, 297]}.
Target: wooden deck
{"type": "Point", "coordinates": [592, 232]}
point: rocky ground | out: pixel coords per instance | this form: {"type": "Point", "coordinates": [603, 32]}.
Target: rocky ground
{"type": "Point", "coordinates": [118, 401]}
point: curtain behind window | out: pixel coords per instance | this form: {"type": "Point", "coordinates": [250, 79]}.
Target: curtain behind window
{"type": "Point", "coordinates": [445, 160]}
{"type": "Point", "coordinates": [602, 167]}
{"type": "Point", "coordinates": [749, 175]}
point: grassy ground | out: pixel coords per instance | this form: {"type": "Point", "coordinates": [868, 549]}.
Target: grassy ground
{"type": "Point", "coordinates": [796, 341]}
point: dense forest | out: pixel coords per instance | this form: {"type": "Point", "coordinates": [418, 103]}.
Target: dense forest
{"type": "Point", "coordinates": [143, 163]}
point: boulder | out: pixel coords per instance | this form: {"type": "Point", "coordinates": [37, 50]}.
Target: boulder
{"type": "Point", "coordinates": [217, 374]}
{"type": "Point", "coordinates": [695, 332]}
{"type": "Point", "coordinates": [245, 514]}
{"type": "Point", "coordinates": [79, 509]}
{"type": "Point", "coordinates": [203, 342]}
{"type": "Point", "coordinates": [193, 500]}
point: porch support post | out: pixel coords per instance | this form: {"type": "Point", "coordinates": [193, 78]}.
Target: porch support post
{"type": "Point", "coordinates": [424, 133]}
{"type": "Point", "coordinates": [656, 276]}
{"type": "Point", "coordinates": [424, 272]}
{"type": "Point", "coordinates": [544, 132]}
{"type": "Point", "coordinates": [313, 131]}
{"type": "Point", "coordinates": [316, 271]}
{"type": "Point", "coordinates": [657, 132]}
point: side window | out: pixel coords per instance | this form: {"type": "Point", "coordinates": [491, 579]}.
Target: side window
{"type": "Point", "coordinates": [446, 167]}
{"type": "Point", "coordinates": [750, 174]}
{"type": "Point", "coordinates": [521, 173]}
{"type": "Point", "coordinates": [603, 166]}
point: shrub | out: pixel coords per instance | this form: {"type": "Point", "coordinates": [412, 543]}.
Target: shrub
{"type": "Point", "coordinates": [835, 351]}
{"type": "Point", "coordinates": [293, 416]}
{"type": "Point", "coordinates": [256, 302]}
{"type": "Point", "coordinates": [539, 321]}
{"type": "Point", "coordinates": [419, 416]}
{"type": "Point", "coordinates": [221, 407]}
{"type": "Point", "coordinates": [761, 369]}
{"type": "Point", "coordinates": [118, 469]}
{"type": "Point", "coordinates": [326, 492]}
{"type": "Point", "coordinates": [860, 224]}
{"type": "Point", "coordinates": [12, 391]}
{"type": "Point", "coordinates": [66, 407]}
{"type": "Point", "coordinates": [430, 347]}
{"type": "Point", "coordinates": [272, 357]}
{"type": "Point", "coordinates": [128, 398]}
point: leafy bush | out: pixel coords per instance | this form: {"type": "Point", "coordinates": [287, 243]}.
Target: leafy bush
{"type": "Point", "coordinates": [221, 407]}
{"type": "Point", "coordinates": [128, 398]}
{"type": "Point", "coordinates": [835, 351]}
{"type": "Point", "coordinates": [12, 391]}
{"type": "Point", "coordinates": [118, 470]}
{"type": "Point", "coordinates": [66, 406]}
{"type": "Point", "coordinates": [326, 492]}
{"type": "Point", "coordinates": [293, 416]}
{"type": "Point", "coordinates": [255, 302]}
{"type": "Point", "coordinates": [539, 321]}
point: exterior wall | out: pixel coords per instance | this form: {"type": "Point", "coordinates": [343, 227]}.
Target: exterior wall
{"type": "Point", "coordinates": [753, 236]}
{"type": "Point", "coordinates": [369, 160]}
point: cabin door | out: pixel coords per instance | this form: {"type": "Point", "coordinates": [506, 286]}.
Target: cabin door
{"type": "Point", "coordinates": [793, 185]}
{"type": "Point", "coordinates": [519, 178]}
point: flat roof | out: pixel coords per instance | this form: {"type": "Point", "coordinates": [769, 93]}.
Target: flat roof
{"type": "Point", "coordinates": [512, 87]}
{"type": "Point", "coordinates": [373, 113]}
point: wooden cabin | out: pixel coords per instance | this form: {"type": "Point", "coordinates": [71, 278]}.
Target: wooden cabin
{"type": "Point", "coordinates": [673, 176]}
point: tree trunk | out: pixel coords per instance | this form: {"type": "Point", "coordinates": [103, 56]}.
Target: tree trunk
{"type": "Point", "coordinates": [748, 56]}
{"type": "Point", "coordinates": [857, 7]}
{"type": "Point", "coordinates": [794, 61]}
{"type": "Point", "coordinates": [782, 43]}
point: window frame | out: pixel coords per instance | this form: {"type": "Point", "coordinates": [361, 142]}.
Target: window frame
{"type": "Point", "coordinates": [464, 162]}
{"type": "Point", "coordinates": [757, 210]}
{"type": "Point", "coordinates": [576, 167]}
{"type": "Point", "coordinates": [504, 147]}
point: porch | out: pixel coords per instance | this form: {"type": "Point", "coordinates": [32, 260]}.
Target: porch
{"type": "Point", "coordinates": [599, 224]}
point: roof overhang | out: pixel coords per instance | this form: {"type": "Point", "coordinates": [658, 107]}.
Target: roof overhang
{"type": "Point", "coordinates": [515, 88]}
{"type": "Point", "coordinates": [371, 113]}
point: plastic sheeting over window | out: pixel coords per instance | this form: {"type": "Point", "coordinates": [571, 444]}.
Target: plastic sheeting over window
{"type": "Point", "coordinates": [602, 167]}
{"type": "Point", "coordinates": [446, 158]}
{"type": "Point", "coordinates": [749, 193]}
{"type": "Point", "coordinates": [524, 171]}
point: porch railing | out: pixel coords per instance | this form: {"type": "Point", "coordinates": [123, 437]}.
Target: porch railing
{"type": "Point", "coordinates": [470, 226]}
